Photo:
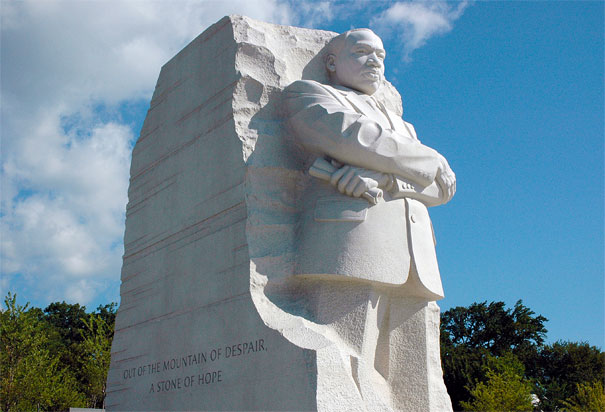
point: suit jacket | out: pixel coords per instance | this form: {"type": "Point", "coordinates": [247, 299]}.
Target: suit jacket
{"type": "Point", "coordinates": [343, 236]}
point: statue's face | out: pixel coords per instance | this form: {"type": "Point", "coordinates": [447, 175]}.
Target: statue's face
{"type": "Point", "coordinates": [359, 64]}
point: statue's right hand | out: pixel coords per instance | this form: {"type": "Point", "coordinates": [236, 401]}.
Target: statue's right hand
{"type": "Point", "coordinates": [355, 181]}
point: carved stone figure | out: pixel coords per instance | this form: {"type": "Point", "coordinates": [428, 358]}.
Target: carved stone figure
{"type": "Point", "coordinates": [363, 148]}
{"type": "Point", "coordinates": [365, 217]}
{"type": "Point", "coordinates": [278, 251]}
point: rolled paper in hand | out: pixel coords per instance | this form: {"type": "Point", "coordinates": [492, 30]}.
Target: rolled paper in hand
{"type": "Point", "coordinates": [323, 164]}
{"type": "Point", "coordinates": [322, 169]}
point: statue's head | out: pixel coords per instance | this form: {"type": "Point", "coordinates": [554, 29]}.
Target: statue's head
{"type": "Point", "coordinates": [355, 59]}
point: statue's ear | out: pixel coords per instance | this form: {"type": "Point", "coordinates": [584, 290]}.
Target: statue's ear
{"type": "Point", "coordinates": [331, 63]}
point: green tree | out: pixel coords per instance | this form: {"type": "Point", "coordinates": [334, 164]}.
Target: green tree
{"type": "Point", "coordinates": [31, 376]}
{"type": "Point", "coordinates": [494, 328]}
{"type": "Point", "coordinates": [75, 335]}
{"type": "Point", "coordinates": [67, 319]}
{"type": "Point", "coordinates": [96, 350]}
{"type": "Point", "coordinates": [505, 389]}
{"type": "Point", "coordinates": [469, 335]}
{"type": "Point", "coordinates": [108, 314]}
{"type": "Point", "coordinates": [66, 323]}
{"type": "Point", "coordinates": [562, 366]}
{"type": "Point", "coordinates": [589, 397]}
{"type": "Point", "coordinates": [462, 366]}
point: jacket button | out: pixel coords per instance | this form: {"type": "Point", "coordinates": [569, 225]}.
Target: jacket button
{"type": "Point", "coordinates": [413, 218]}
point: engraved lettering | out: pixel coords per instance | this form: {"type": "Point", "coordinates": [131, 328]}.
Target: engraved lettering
{"type": "Point", "coordinates": [210, 377]}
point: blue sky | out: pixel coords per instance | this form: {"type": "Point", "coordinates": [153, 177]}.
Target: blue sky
{"type": "Point", "coordinates": [510, 92]}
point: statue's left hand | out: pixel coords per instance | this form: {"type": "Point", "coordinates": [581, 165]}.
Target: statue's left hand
{"type": "Point", "coordinates": [446, 179]}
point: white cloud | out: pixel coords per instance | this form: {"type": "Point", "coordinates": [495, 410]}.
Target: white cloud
{"type": "Point", "coordinates": [107, 50]}
{"type": "Point", "coordinates": [313, 14]}
{"type": "Point", "coordinates": [413, 23]}
{"type": "Point", "coordinates": [65, 227]}
{"type": "Point", "coordinates": [66, 66]}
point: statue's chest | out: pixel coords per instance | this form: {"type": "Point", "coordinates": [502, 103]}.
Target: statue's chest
{"type": "Point", "coordinates": [400, 127]}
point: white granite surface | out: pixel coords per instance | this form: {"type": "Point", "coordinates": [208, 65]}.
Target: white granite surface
{"type": "Point", "coordinates": [218, 310]}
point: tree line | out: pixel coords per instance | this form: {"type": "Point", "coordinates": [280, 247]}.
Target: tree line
{"type": "Point", "coordinates": [494, 359]}
{"type": "Point", "coordinates": [54, 359]}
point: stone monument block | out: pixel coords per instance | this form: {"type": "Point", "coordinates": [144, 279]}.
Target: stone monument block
{"type": "Point", "coordinates": [221, 306]}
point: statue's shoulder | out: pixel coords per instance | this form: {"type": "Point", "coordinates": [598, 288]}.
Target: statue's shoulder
{"type": "Point", "coordinates": [308, 86]}
{"type": "Point", "coordinates": [411, 129]}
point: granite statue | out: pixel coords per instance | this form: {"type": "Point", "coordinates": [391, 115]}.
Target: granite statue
{"type": "Point", "coordinates": [363, 148]}
{"type": "Point", "coordinates": [278, 253]}
{"type": "Point", "coordinates": [365, 238]}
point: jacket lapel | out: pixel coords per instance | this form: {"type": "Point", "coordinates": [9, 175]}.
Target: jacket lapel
{"type": "Point", "coordinates": [360, 105]}
{"type": "Point", "coordinates": [348, 97]}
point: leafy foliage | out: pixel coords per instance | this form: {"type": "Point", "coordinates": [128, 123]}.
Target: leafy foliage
{"type": "Point", "coordinates": [505, 388]}
{"type": "Point", "coordinates": [494, 328]}
{"type": "Point", "coordinates": [462, 367]}
{"type": "Point", "coordinates": [589, 397]}
{"type": "Point", "coordinates": [96, 350]}
{"type": "Point", "coordinates": [564, 365]}
{"type": "Point", "coordinates": [31, 376]}
{"type": "Point", "coordinates": [52, 359]}
{"type": "Point", "coordinates": [67, 319]}
{"type": "Point", "coordinates": [471, 337]}
{"type": "Point", "coordinates": [493, 358]}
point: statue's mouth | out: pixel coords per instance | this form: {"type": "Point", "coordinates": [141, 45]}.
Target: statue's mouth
{"type": "Point", "coordinates": [373, 74]}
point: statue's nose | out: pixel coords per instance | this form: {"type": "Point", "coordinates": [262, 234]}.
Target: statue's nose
{"type": "Point", "coordinates": [374, 61]}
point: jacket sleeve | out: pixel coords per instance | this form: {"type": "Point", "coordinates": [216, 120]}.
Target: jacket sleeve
{"type": "Point", "coordinates": [324, 125]}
